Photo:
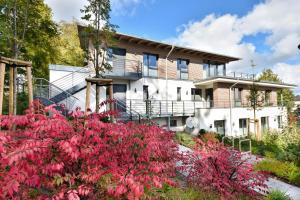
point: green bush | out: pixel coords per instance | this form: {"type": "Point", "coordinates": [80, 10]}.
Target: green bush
{"type": "Point", "coordinates": [185, 139]}
{"type": "Point", "coordinates": [284, 146]}
{"type": "Point", "coordinates": [177, 193]}
{"type": "Point", "coordinates": [277, 195]}
{"type": "Point", "coordinates": [284, 170]}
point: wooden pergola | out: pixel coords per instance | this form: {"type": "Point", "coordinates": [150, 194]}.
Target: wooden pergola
{"type": "Point", "coordinates": [12, 64]}
{"type": "Point", "coordinates": [99, 82]}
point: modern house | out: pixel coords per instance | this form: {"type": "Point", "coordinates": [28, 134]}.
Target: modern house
{"type": "Point", "coordinates": [169, 83]}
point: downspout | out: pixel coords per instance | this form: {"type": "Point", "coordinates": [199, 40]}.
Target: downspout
{"type": "Point", "coordinates": [166, 73]}
{"type": "Point", "coordinates": [230, 105]}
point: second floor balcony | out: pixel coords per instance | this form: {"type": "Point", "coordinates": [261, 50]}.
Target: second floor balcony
{"type": "Point", "coordinates": [124, 68]}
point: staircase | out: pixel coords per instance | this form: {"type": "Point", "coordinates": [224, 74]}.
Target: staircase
{"type": "Point", "coordinates": [62, 91]}
{"type": "Point", "coordinates": [49, 94]}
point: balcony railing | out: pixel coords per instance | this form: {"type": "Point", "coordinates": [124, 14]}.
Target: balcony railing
{"type": "Point", "coordinates": [160, 108]}
{"type": "Point", "coordinates": [131, 69]}
{"type": "Point", "coordinates": [235, 75]}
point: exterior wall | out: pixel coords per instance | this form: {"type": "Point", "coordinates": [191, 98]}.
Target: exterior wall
{"type": "Point", "coordinates": [221, 95]}
{"type": "Point", "coordinates": [135, 52]}
{"type": "Point", "coordinates": [208, 116]}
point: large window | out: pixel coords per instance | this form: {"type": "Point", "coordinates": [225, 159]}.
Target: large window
{"type": "Point", "coordinates": [237, 93]}
{"type": "Point", "coordinates": [114, 53]}
{"type": "Point", "coordinates": [220, 126]}
{"type": "Point", "coordinates": [182, 68]}
{"type": "Point", "coordinates": [214, 69]}
{"type": "Point", "coordinates": [243, 126]}
{"type": "Point", "coordinates": [150, 64]}
{"type": "Point", "coordinates": [196, 94]}
{"type": "Point", "coordinates": [267, 97]}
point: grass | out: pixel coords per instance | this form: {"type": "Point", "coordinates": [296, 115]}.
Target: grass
{"type": "Point", "coordinates": [283, 170]}
{"type": "Point", "coordinates": [277, 195]}
{"type": "Point", "coordinates": [185, 139]}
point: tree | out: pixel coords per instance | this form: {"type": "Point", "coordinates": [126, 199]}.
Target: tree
{"type": "Point", "coordinates": [27, 32]}
{"type": "Point", "coordinates": [256, 99]}
{"type": "Point", "coordinates": [33, 36]}
{"type": "Point", "coordinates": [97, 14]}
{"type": "Point", "coordinates": [284, 96]}
{"type": "Point", "coordinates": [68, 45]}
{"type": "Point", "coordinates": [48, 156]}
{"type": "Point", "coordinates": [214, 167]}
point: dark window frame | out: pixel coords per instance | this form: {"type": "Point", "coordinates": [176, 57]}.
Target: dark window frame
{"type": "Point", "coordinates": [149, 66]}
{"type": "Point", "coordinates": [193, 94]}
{"type": "Point", "coordinates": [182, 69]}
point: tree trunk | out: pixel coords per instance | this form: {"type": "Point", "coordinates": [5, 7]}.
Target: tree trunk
{"type": "Point", "coordinates": [15, 53]}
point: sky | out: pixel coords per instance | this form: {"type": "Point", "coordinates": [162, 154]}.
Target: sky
{"type": "Point", "coordinates": [265, 31]}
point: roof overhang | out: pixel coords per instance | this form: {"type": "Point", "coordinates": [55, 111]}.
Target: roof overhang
{"type": "Point", "coordinates": [205, 55]}
{"type": "Point", "coordinates": [210, 81]}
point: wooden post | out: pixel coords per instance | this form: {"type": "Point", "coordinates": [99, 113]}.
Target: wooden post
{"type": "Point", "coordinates": [111, 96]}
{"type": "Point", "coordinates": [2, 75]}
{"type": "Point", "coordinates": [88, 96]}
{"type": "Point", "coordinates": [30, 90]}
{"type": "Point", "coordinates": [11, 91]}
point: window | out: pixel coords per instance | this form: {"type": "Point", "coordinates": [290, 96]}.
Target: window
{"type": "Point", "coordinates": [150, 64]}
{"type": "Point", "coordinates": [267, 97]}
{"type": "Point", "coordinates": [178, 94]}
{"type": "Point", "coordinates": [215, 69]}
{"type": "Point", "coordinates": [173, 122]}
{"type": "Point", "coordinates": [182, 68]}
{"type": "Point", "coordinates": [264, 124]}
{"type": "Point", "coordinates": [243, 126]}
{"type": "Point", "coordinates": [237, 92]}
{"type": "Point", "coordinates": [220, 126]}
{"type": "Point", "coordinates": [196, 94]}
{"type": "Point", "coordinates": [279, 120]}
{"type": "Point", "coordinates": [115, 53]}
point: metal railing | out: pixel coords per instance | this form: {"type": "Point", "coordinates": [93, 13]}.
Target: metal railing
{"type": "Point", "coordinates": [235, 75]}
{"type": "Point", "coordinates": [72, 79]}
{"type": "Point", "coordinates": [48, 92]}
{"type": "Point", "coordinates": [125, 68]}
{"type": "Point", "coordinates": [160, 108]}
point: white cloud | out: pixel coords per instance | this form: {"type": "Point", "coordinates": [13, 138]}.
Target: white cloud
{"type": "Point", "coordinates": [288, 73]}
{"type": "Point", "coordinates": [68, 10]}
{"type": "Point", "coordinates": [224, 34]}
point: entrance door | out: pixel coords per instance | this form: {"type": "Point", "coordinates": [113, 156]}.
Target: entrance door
{"type": "Point", "coordinates": [119, 91]}
{"type": "Point", "coordinates": [145, 92]}
{"type": "Point", "coordinates": [264, 124]}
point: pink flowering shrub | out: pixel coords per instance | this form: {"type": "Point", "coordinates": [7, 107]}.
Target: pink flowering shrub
{"type": "Point", "coordinates": [46, 156]}
{"type": "Point", "coordinates": [215, 167]}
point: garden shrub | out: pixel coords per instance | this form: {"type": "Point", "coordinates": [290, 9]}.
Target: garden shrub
{"type": "Point", "coordinates": [209, 137]}
{"type": "Point", "coordinates": [214, 167]}
{"type": "Point", "coordinates": [46, 156]}
{"type": "Point", "coordinates": [284, 170]}
{"type": "Point", "coordinates": [185, 139]}
{"type": "Point", "coordinates": [277, 195]}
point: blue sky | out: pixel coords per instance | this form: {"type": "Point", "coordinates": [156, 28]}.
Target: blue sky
{"type": "Point", "coordinates": [165, 15]}
{"type": "Point", "coordinates": [265, 31]}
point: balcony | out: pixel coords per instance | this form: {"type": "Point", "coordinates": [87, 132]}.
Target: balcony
{"type": "Point", "coordinates": [125, 69]}
{"type": "Point", "coordinates": [162, 108]}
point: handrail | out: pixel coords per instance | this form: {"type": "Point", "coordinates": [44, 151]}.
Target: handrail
{"type": "Point", "coordinates": [62, 91]}
{"type": "Point", "coordinates": [63, 77]}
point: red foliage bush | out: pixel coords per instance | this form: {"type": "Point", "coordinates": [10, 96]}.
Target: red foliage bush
{"type": "Point", "coordinates": [214, 167]}
{"type": "Point", "coordinates": [49, 157]}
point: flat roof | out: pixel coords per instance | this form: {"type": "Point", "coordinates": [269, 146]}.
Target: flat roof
{"type": "Point", "coordinates": [243, 81]}
{"type": "Point", "coordinates": [162, 45]}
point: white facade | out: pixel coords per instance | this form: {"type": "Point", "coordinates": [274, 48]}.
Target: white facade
{"type": "Point", "coordinates": [157, 92]}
